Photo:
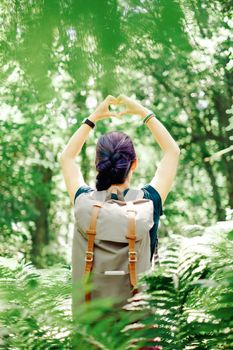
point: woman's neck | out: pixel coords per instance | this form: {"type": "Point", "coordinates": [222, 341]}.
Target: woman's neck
{"type": "Point", "coordinates": [121, 187]}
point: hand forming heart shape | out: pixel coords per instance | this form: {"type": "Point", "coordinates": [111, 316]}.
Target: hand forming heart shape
{"type": "Point", "coordinates": [103, 111]}
{"type": "Point", "coordinates": [131, 107]}
{"type": "Point", "coordinates": [118, 106]}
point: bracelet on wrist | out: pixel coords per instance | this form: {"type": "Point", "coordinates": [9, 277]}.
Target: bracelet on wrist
{"type": "Point", "coordinates": [148, 117]}
{"type": "Point", "coordinates": [89, 122]}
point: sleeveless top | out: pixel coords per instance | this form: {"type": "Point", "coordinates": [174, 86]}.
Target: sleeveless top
{"type": "Point", "coordinates": [149, 193]}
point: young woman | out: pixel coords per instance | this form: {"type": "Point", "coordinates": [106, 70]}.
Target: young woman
{"type": "Point", "coordinates": [116, 159]}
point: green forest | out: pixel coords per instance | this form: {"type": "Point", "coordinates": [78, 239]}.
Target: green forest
{"type": "Point", "coordinates": [59, 60]}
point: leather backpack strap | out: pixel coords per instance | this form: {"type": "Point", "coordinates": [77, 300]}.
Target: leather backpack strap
{"type": "Point", "coordinates": [116, 191]}
{"type": "Point", "coordinates": [132, 194]}
{"type": "Point", "coordinates": [89, 256]}
{"type": "Point", "coordinates": [131, 237]}
{"type": "Point", "coordinates": [105, 195]}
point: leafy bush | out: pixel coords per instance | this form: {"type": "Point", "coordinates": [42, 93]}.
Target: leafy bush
{"type": "Point", "coordinates": [36, 312]}
{"type": "Point", "coordinates": [191, 292]}
{"type": "Point", "coordinates": [188, 303]}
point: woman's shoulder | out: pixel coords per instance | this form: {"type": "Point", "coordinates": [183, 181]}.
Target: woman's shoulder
{"type": "Point", "coordinates": [151, 193]}
{"type": "Point", "coordinates": [83, 189]}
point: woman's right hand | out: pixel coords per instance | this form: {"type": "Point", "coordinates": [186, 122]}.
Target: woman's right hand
{"type": "Point", "coordinates": [132, 107]}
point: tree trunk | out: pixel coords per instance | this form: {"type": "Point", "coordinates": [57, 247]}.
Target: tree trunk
{"type": "Point", "coordinates": [219, 211]}
{"type": "Point", "coordinates": [40, 236]}
{"type": "Point", "coordinates": [222, 103]}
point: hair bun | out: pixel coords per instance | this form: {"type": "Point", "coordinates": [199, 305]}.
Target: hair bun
{"type": "Point", "coordinates": [114, 157]}
{"type": "Point", "coordinates": [104, 165]}
{"type": "Point", "coordinates": [109, 163]}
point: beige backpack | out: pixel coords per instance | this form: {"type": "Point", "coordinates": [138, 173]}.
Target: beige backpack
{"type": "Point", "coordinates": [111, 243]}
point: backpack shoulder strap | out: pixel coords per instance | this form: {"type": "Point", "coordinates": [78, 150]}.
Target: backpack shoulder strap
{"type": "Point", "coordinates": [99, 195]}
{"type": "Point", "coordinates": [134, 194]}
{"type": "Point", "coordinates": [131, 195]}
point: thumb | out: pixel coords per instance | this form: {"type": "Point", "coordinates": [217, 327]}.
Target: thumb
{"type": "Point", "coordinates": [123, 112]}
{"type": "Point", "coordinates": [110, 114]}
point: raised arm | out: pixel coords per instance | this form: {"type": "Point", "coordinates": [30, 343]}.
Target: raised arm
{"type": "Point", "coordinates": [71, 171]}
{"type": "Point", "coordinates": [167, 168]}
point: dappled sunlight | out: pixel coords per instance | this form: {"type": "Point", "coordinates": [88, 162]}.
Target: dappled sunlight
{"type": "Point", "coordinates": [165, 70]}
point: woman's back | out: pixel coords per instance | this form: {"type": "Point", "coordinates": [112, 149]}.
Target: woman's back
{"type": "Point", "coordinates": [149, 193]}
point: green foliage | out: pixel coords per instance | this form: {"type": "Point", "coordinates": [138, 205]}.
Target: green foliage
{"type": "Point", "coordinates": [187, 303]}
{"type": "Point", "coordinates": [36, 312]}
{"type": "Point", "coordinates": [58, 60]}
{"type": "Point", "coordinates": [191, 292]}
{"type": "Point", "coordinates": [34, 302]}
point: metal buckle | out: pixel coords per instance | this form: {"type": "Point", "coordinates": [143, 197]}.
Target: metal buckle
{"type": "Point", "coordinates": [91, 231]}
{"type": "Point", "coordinates": [131, 237]}
{"type": "Point", "coordinates": [97, 204]}
{"type": "Point", "coordinates": [89, 259]}
{"type": "Point", "coordinates": [134, 254]}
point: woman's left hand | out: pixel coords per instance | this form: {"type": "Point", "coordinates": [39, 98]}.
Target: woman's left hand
{"type": "Point", "coordinates": [102, 111]}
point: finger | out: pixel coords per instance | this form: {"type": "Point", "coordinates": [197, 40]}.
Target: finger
{"type": "Point", "coordinates": [111, 99]}
{"type": "Point", "coordinates": [121, 98]}
{"type": "Point", "coordinates": [123, 112]}
{"type": "Point", "coordinates": [111, 114]}
{"type": "Point", "coordinates": [110, 96]}
{"type": "Point", "coordinates": [114, 114]}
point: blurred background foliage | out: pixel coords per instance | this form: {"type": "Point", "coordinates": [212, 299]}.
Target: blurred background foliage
{"type": "Point", "coordinates": [60, 58]}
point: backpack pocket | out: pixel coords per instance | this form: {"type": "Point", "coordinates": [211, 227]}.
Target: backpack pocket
{"type": "Point", "coordinates": [116, 286]}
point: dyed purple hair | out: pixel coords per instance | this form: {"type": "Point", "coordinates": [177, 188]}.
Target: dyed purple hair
{"type": "Point", "coordinates": [114, 155]}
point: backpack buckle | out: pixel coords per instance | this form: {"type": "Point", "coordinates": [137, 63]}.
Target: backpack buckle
{"type": "Point", "coordinates": [89, 258]}
{"type": "Point", "coordinates": [132, 256]}
{"type": "Point", "coordinates": [131, 237]}
{"type": "Point", "coordinates": [91, 231]}
{"type": "Point", "coordinates": [97, 204]}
